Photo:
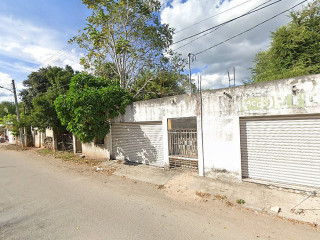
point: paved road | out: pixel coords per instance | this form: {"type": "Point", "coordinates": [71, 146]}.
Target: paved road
{"type": "Point", "coordinates": [39, 200]}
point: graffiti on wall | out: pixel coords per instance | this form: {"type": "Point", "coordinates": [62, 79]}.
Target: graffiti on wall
{"type": "Point", "coordinates": [300, 100]}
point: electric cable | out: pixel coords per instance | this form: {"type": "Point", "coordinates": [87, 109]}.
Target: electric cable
{"type": "Point", "coordinates": [239, 34]}
{"type": "Point", "coordinates": [201, 21]}
{"type": "Point", "coordinates": [193, 40]}
{"type": "Point", "coordinates": [231, 20]}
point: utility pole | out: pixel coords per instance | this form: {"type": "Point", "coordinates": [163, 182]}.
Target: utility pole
{"type": "Point", "coordinates": [191, 57]}
{"type": "Point", "coordinates": [229, 77]}
{"type": "Point", "coordinates": [234, 76]}
{"type": "Point", "coordinates": [17, 110]}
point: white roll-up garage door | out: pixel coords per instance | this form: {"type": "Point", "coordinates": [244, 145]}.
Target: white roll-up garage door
{"type": "Point", "coordinates": [138, 142]}
{"type": "Point", "coordinates": [281, 150]}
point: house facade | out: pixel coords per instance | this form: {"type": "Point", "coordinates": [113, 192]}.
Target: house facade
{"type": "Point", "coordinates": [267, 132]}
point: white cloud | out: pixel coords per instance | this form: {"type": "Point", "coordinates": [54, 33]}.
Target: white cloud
{"type": "Point", "coordinates": [5, 81]}
{"type": "Point", "coordinates": [239, 52]}
{"type": "Point", "coordinates": [28, 43]}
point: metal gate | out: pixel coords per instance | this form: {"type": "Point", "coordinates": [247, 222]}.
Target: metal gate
{"type": "Point", "coordinates": [65, 142]}
{"type": "Point", "coordinates": [283, 151]}
{"type": "Point", "coordinates": [78, 145]}
{"type": "Point", "coordinates": [183, 151]}
{"type": "Point", "coordinates": [138, 142]}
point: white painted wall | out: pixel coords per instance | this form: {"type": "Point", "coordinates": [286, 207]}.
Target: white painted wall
{"type": "Point", "coordinates": [221, 115]}
{"type": "Point", "coordinates": [49, 133]}
{"type": "Point", "coordinates": [12, 139]}
{"type": "Point", "coordinates": [157, 109]}
{"type": "Point", "coordinates": [222, 110]}
{"type": "Point", "coordinates": [92, 150]}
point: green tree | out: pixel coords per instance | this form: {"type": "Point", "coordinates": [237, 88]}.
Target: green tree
{"type": "Point", "coordinates": [89, 105]}
{"type": "Point", "coordinates": [43, 114]}
{"type": "Point", "coordinates": [36, 83]}
{"type": "Point", "coordinates": [165, 83]}
{"type": "Point", "coordinates": [7, 108]}
{"type": "Point", "coordinates": [43, 87]}
{"type": "Point", "coordinates": [129, 34]}
{"type": "Point", "coordinates": [294, 49]}
{"type": "Point", "coordinates": [10, 122]}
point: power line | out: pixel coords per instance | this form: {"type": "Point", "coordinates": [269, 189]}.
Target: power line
{"type": "Point", "coordinates": [6, 88]}
{"type": "Point", "coordinates": [217, 28]}
{"type": "Point", "coordinates": [213, 16]}
{"type": "Point", "coordinates": [239, 34]}
{"type": "Point", "coordinates": [62, 55]}
{"type": "Point", "coordinates": [56, 88]}
{"type": "Point", "coordinates": [63, 52]}
{"type": "Point", "coordinates": [231, 20]}
{"type": "Point", "coordinates": [53, 56]}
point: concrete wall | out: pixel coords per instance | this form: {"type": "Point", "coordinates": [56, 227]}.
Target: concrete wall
{"type": "Point", "coordinates": [146, 111]}
{"type": "Point", "coordinates": [11, 137]}
{"type": "Point", "coordinates": [223, 108]}
{"type": "Point", "coordinates": [93, 150]}
{"type": "Point", "coordinates": [157, 109]}
{"type": "Point", "coordinates": [49, 132]}
{"type": "Point", "coordinates": [36, 137]}
{"type": "Point", "coordinates": [221, 112]}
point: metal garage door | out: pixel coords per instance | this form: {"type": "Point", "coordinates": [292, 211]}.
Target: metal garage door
{"type": "Point", "coordinates": [142, 143]}
{"type": "Point", "coordinates": [282, 150]}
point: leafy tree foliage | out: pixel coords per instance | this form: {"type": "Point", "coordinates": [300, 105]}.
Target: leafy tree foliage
{"type": "Point", "coordinates": [126, 33]}
{"type": "Point", "coordinates": [7, 108]}
{"type": "Point", "coordinates": [43, 87]}
{"type": "Point", "coordinates": [10, 122]}
{"type": "Point", "coordinates": [165, 83]}
{"type": "Point", "coordinates": [36, 83]}
{"type": "Point", "coordinates": [294, 48]}
{"type": "Point", "coordinates": [90, 104]}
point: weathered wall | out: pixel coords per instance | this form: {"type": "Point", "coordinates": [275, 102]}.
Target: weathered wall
{"type": "Point", "coordinates": [36, 137]}
{"type": "Point", "coordinates": [49, 133]}
{"type": "Point", "coordinates": [11, 138]}
{"type": "Point", "coordinates": [221, 112]}
{"type": "Point", "coordinates": [222, 109]}
{"type": "Point", "coordinates": [157, 109]}
{"type": "Point", "coordinates": [92, 150]}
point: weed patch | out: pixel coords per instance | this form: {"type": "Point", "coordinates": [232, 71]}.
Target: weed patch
{"type": "Point", "coordinates": [220, 197]}
{"type": "Point", "coordinates": [45, 152]}
{"type": "Point", "coordinates": [203, 194]}
{"type": "Point", "coordinates": [241, 201]}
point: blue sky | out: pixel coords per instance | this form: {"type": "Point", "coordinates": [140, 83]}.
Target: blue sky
{"type": "Point", "coordinates": [33, 33]}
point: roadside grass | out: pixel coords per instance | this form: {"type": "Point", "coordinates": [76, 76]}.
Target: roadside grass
{"type": "Point", "coordinates": [203, 194]}
{"type": "Point", "coordinates": [68, 156]}
{"type": "Point", "coordinates": [220, 197]}
{"type": "Point", "coordinates": [45, 152]}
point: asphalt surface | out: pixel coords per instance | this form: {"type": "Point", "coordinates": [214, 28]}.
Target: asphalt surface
{"type": "Point", "coordinates": [39, 200]}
